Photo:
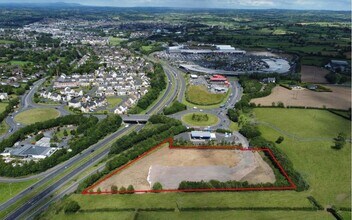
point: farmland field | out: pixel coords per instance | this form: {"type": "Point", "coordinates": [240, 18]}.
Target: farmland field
{"type": "Point", "coordinates": [327, 171]}
{"type": "Point", "coordinates": [313, 74]}
{"type": "Point", "coordinates": [339, 98]}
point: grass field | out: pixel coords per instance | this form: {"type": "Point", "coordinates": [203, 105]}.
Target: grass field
{"type": "Point", "coordinates": [116, 41]}
{"type": "Point", "coordinates": [210, 215]}
{"type": "Point", "coordinates": [19, 63]}
{"type": "Point", "coordinates": [4, 127]}
{"type": "Point", "coordinates": [308, 146]}
{"type": "Point", "coordinates": [6, 41]}
{"type": "Point", "coordinates": [183, 200]}
{"type": "Point", "coordinates": [201, 215]}
{"type": "Point", "coordinates": [212, 120]}
{"type": "Point", "coordinates": [3, 106]}
{"type": "Point", "coordinates": [36, 115]}
{"type": "Point", "coordinates": [8, 190]}
{"type": "Point", "coordinates": [199, 95]}
{"type": "Point", "coordinates": [113, 101]}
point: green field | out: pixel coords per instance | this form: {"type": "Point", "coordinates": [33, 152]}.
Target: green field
{"type": "Point", "coordinates": [184, 200]}
{"type": "Point", "coordinates": [116, 41]}
{"type": "Point", "coordinates": [212, 120]}
{"type": "Point", "coordinates": [19, 63]}
{"type": "Point", "coordinates": [307, 144]}
{"type": "Point", "coordinates": [8, 190]}
{"type": "Point", "coordinates": [113, 101]}
{"type": "Point", "coordinates": [36, 115]}
{"type": "Point", "coordinates": [201, 215]}
{"type": "Point", "coordinates": [4, 127]}
{"type": "Point", "coordinates": [7, 41]}
{"type": "Point", "coordinates": [3, 106]}
{"type": "Point", "coordinates": [199, 95]}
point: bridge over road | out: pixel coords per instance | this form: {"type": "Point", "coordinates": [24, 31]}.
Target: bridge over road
{"type": "Point", "coordinates": [136, 119]}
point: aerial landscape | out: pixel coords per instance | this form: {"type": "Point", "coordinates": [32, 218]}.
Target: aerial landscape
{"type": "Point", "coordinates": [175, 109]}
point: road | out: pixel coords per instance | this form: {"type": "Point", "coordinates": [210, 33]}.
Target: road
{"type": "Point", "coordinates": [166, 99]}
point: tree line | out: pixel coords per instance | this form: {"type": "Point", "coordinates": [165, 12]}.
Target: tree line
{"type": "Point", "coordinates": [174, 108]}
{"type": "Point", "coordinates": [157, 85]}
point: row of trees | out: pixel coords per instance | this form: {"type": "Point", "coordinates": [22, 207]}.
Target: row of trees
{"type": "Point", "coordinates": [131, 146]}
{"type": "Point", "coordinates": [9, 108]}
{"type": "Point", "coordinates": [157, 84]}
{"type": "Point", "coordinates": [215, 184]}
{"type": "Point", "coordinates": [89, 132]}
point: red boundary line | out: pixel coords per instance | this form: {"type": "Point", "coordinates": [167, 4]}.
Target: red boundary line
{"type": "Point", "coordinates": [292, 186]}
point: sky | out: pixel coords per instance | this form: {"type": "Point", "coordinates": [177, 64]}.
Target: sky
{"type": "Point", "coordinates": [235, 4]}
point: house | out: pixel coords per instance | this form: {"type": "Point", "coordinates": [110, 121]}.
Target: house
{"type": "Point", "coordinates": [75, 103]}
{"type": "Point", "coordinates": [4, 96]}
{"type": "Point", "coordinates": [312, 87]}
{"type": "Point", "coordinates": [122, 109]}
{"type": "Point", "coordinates": [338, 66]}
{"type": "Point", "coordinates": [269, 80]}
{"type": "Point", "coordinates": [55, 97]}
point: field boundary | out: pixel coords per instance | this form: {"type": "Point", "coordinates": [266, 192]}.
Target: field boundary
{"type": "Point", "coordinates": [292, 186]}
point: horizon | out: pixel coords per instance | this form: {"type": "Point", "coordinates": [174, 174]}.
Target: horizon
{"type": "Point", "coordinates": [300, 5]}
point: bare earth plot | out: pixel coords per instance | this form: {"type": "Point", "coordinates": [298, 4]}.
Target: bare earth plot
{"type": "Point", "coordinates": [172, 166]}
{"type": "Point", "coordinates": [313, 74]}
{"type": "Point", "coordinates": [339, 98]}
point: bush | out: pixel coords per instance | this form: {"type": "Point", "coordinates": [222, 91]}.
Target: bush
{"type": "Point", "coordinates": [71, 207]}
{"type": "Point", "coordinates": [157, 186]}
{"type": "Point", "coordinates": [114, 189]}
{"type": "Point", "coordinates": [279, 140]}
{"type": "Point", "coordinates": [174, 108]}
{"type": "Point", "coordinates": [250, 131]}
{"type": "Point", "coordinates": [39, 136]}
{"type": "Point", "coordinates": [122, 190]}
{"type": "Point", "coordinates": [233, 115]}
{"type": "Point", "coordinates": [130, 189]}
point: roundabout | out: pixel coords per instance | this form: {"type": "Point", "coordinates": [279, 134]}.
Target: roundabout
{"type": "Point", "coordinates": [200, 119]}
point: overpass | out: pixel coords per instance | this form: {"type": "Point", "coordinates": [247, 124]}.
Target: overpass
{"type": "Point", "coordinates": [135, 119]}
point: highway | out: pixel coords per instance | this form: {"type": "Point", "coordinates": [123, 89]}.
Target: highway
{"type": "Point", "coordinates": [166, 99]}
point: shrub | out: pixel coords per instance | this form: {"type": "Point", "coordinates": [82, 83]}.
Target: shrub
{"type": "Point", "coordinates": [279, 140]}
{"type": "Point", "coordinates": [157, 186]}
{"type": "Point", "coordinates": [39, 136]}
{"type": "Point", "coordinates": [130, 189]}
{"type": "Point", "coordinates": [122, 190]}
{"type": "Point", "coordinates": [114, 189]}
{"type": "Point", "coordinates": [71, 207]}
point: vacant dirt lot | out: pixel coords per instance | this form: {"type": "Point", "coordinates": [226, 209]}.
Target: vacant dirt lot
{"type": "Point", "coordinates": [172, 166]}
{"type": "Point", "coordinates": [339, 98]}
{"type": "Point", "coordinates": [313, 74]}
